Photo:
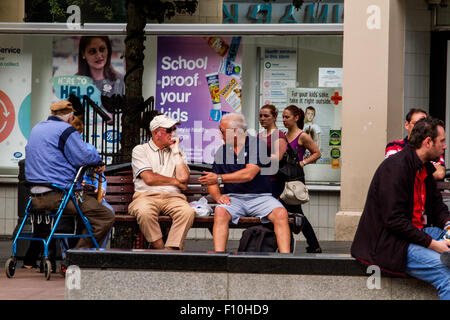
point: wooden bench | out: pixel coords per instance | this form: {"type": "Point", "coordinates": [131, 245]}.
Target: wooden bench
{"type": "Point", "coordinates": [444, 187]}
{"type": "Point", "coordinates": [126, 232]}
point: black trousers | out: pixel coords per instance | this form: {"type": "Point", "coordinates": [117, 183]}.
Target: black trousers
{"type": "Point", "coordinates": [307, 230]}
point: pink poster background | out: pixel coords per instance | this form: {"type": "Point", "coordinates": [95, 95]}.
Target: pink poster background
{"type": "Point", "coordinates": [182, 89]}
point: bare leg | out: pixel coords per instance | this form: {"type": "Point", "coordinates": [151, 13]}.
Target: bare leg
{"type": "Point", "coordinates": [220, 229]}
{"type": "Point", "coordinates": [279, 218]}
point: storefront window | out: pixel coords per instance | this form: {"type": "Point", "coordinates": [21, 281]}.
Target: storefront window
{"type": "Point", "coordinates": [282, 11]}
{"type": "Point", "coordinates": [442, 17]}
{"type": "Point", "coordinates": [207, 12]}
{"type": "Point", "coordinates": [195, 79]}
{"type": "Point", "coordinates": [201, 78]}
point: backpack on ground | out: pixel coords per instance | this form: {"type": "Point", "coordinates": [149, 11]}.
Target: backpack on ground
{"type": "Point", "coordinates": [258, 239]}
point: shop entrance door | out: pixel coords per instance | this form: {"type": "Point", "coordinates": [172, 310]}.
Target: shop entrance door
{"type": "Point", "coordinates": [440, 82]}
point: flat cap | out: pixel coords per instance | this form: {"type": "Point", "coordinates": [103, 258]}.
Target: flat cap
{"type": "Point", "coordinates": [62, 106]}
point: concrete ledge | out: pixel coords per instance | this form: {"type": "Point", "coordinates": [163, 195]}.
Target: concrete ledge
{"type": "Point", "coordinates": [148, 275]}
{"type": "Point", "coordinates": [235, 262]}
{"type": "Point", "coordinates": [97, 284]}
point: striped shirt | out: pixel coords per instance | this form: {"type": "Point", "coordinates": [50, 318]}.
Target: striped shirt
{"type": "Point", "coordinates": [396, 146]}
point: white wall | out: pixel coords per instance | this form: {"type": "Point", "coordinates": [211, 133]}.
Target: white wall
{"type": "Point", "coordinates": [41, 75]}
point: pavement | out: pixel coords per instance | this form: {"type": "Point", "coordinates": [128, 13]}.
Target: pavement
{"type": "Point", "coordinates": [31, 285]}
{"type": "Point", "coordinates": [27, 284]}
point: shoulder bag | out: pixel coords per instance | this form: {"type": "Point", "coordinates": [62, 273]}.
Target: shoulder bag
{"type": "Point", "coordinates": [295, 191]}
{"type": "Point", "coordinates": [289, 166]}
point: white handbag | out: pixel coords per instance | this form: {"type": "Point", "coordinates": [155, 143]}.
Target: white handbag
{"type": "Point", "coordinates": [294, 193]}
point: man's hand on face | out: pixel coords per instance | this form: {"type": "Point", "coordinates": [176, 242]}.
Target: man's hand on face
{"type": "Point", "coordinates": [175, 145]}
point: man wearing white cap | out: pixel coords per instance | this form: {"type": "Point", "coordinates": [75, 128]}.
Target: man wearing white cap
{"type": "Point", "coordinates": [160, 173]}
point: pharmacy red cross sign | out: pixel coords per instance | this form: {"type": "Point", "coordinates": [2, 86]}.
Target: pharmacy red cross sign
{"type": "Point", "coordinates": [336, 98]}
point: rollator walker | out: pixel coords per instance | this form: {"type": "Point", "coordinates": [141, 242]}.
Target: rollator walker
{"type": "Point", "coordinates": [52, 218]}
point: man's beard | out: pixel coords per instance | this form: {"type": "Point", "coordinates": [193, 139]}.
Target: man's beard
{"type": "Point", "coordinates": [436, 159]}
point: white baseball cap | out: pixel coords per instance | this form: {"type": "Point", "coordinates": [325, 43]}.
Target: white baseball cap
{"type": "Point", "coordinates": [162, 121]}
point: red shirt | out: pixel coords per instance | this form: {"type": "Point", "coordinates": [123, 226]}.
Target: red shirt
{"type": "Point", "coordinates": [419, 198]}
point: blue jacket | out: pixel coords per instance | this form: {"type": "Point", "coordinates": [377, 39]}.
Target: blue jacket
{"type": "Point", "coordinates": [55, 152]}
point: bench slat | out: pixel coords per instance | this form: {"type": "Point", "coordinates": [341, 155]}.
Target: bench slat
{"type": "Point", "coordinates": [199, 222]}
{"type": "Point", "coordinates": [122, 189]}
{"type": "Point", "coordinates": [124, 198]}
{"type": "Point", "coordinates": [197, 197]}
{"type": "Point", "coordinates": [119, 180]}
{"type": "Point", "coordinates": [443, 185]}
{"type": "Point", "coordinates": [120, 208]}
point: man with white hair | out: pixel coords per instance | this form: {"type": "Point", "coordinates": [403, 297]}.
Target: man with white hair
{"type": "Point", "coordinates": [54, 153]}
{"type": "Point", "coordinates": [160, 173]}
{"type": "Point", "coordinates": [240, 165]}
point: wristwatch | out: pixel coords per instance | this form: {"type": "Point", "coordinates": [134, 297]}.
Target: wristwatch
{"type": "Point", "coordinates": [219, 179]}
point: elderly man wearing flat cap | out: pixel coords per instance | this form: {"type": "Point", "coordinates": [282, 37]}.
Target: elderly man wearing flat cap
{"type": "Point", "coordinates": [160, 173]}
{"type": "Point", "coordinates": [54, 153]}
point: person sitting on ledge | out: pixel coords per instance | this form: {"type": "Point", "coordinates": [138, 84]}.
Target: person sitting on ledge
{"type": "Point", "coordinates": [404, 221]}
{"type": "Point", "coordinates": [160, 173]}
{"type": "Point", "coordinates": [248, 191]}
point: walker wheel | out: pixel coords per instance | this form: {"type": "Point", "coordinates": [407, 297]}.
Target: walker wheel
{"type": "Point", "coordinates": [47, 269]}
{"type": "Point", "coordinates": [10, 267]}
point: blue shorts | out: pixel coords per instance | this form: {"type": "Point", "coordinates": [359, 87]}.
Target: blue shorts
{"type": "Point", "coordinates": [251, 205]}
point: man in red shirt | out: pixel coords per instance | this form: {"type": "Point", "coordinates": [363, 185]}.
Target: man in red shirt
{"type": "Point", "coordinates": [393, 147]}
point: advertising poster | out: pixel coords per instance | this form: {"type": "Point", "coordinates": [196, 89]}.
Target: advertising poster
{"type": "Point", "coordinates": [323, 113]}
{"type": "Point", "coordinates": [279, 74]}
{"type": "Point", "coordinates": [199, 80]}
{"type": "Point", "coordinates": [15, 100]}
{"type": "Point", "coordinates": [79, 67]}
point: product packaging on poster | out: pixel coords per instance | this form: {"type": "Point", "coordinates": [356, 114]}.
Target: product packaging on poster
{"type": "Point", "coordinates": [198, 81]}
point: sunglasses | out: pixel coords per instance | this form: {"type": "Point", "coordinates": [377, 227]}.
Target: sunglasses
{"type": "Point", "coordinates": [170, 130]}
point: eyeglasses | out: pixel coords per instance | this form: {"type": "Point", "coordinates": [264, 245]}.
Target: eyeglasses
{"type": "Point", "coordinates": [223, 131]}
{"type": "Point", "coordinates": [170, 130]}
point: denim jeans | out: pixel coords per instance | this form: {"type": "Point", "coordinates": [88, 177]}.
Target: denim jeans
{"type": "Point", "coordinates": [425, 264]}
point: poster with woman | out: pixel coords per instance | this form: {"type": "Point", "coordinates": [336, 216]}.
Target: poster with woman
{"type": "Point", "coordinates": [199, 80]}
{"type": "Point", "coordinates": [91, 66]}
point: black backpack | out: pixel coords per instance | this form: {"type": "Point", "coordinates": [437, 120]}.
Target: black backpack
{"type": "Point", "coordinates": [258, 239]}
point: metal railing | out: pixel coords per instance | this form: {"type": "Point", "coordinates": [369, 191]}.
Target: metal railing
{"type": "Point", "coordinates": [102, 125]}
